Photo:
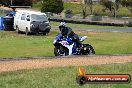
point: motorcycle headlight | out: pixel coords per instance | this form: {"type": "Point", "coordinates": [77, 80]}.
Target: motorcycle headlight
{"type": "Point", "coordinates": [85, 48]}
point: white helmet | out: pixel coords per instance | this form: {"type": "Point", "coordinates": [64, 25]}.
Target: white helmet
{"type": "Point", "coordinates": [62, 24]}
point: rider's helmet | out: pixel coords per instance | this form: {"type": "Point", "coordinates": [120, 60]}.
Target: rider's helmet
{"type": "Point", "coordinates": [63, 28]}
{"type": "Point", "coordinates": [62, 25]}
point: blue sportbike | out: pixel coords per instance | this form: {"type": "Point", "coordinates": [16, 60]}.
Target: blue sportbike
{"type": "Point", "coordinates": [64, 46]}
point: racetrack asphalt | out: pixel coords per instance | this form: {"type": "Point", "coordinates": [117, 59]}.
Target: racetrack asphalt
{"type": "Point", "coordinates": [123, 29]}
{"type": "Point", "coordinates": [46, 62]}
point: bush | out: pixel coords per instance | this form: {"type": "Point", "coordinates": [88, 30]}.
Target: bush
{"type": "Point", "coordinates": [97, 10]}
{"type": "Point", "coordinates": [54, 6]}
{"type": "Point", "coordinates": [68, 13]}
{"type": "Point", "coordinates": [130, 24]}
{"type": "Point", "coordinates": [123, 12]}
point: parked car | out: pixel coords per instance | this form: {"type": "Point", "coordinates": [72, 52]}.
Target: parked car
{"type": "Point", "coordinates": [31, 22]}
{"type": "Point", "coordinates": [9, 21]}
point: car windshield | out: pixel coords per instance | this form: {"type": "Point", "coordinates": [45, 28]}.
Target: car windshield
{"type": "Point", "coordinates": [35, 17]}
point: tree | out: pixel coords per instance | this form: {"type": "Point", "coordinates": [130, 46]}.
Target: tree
{"type": "Point", "coordinates": [117, 2]}
{"type": "Point", "coordinates": [17, 2]}
{"type": "Point", "coordinates": [127, 3]}
{"type": "Point", "coordinates": [22, 2]}
{"type": "Point", "coordinates": [107, 4]}
{"type": "Point", "coordinates": [84, 10]}
{"type": "Point", "coordinates": [112, 6]}
{"type": "Point", "coordinates": [5, 2]}
{"type": "Point", "coordinates": [36, 0]}
{"type": "Point", "coordinates": [90, 4]}
{"type": "Point", "coordinates": [85, 5]}
{"type": "Point", "coordinates": [54, 6]}
{"type": "Point", "coordinates": [116, 6]}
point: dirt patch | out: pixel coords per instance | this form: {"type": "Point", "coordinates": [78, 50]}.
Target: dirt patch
{"type": "Point", "coordinates": [13, 65]}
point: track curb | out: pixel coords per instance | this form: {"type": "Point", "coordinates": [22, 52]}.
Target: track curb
{"type": "Point", "coordinates": [59, 57]}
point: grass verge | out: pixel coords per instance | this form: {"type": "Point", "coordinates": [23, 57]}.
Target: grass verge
{"type": "Point", "coordinates": [20, 45]}
{"type": "Point", "coordinates": [61, 77]}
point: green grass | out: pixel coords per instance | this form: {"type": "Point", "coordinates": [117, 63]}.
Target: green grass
{"type": "Point", "coordinates": [76, 8]}
{"type": "Point", "coordinates": [53, 23]}
{"type": "Point", "coordinates": [61, 77]}
{"type": "Point", "coordinates": [14, 45]}
{"type": "Point", "coordinates": [37, 6]}
{"type": "Point", "coordinates": [20, 45]}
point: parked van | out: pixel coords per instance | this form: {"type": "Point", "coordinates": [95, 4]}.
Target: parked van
{"type": "Point", "coordinates": [31, 22]}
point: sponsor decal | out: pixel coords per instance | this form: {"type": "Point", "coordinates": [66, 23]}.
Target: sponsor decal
{"type": "Point", "coordinates": [83, 78]}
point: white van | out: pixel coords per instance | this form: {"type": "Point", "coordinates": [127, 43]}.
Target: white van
{"type": "Point", "coordinates": [31, 22]}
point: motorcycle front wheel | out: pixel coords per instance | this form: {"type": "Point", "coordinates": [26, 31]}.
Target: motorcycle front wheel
{"type": "Point", "coordinates": [61, 51]}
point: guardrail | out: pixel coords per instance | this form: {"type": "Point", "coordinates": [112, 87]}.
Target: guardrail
{"type": "Point", "coordinates": [87, 22]}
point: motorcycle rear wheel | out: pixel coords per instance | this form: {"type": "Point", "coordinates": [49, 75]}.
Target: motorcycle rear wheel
{"type": "Point", "coordinates": [88, 49]}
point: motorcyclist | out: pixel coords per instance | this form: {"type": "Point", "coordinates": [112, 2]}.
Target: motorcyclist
{"type": "Point", "coordinates": [67, 31]}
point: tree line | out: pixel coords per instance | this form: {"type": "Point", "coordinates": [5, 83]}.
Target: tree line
{"type": "Point", "coordinates": [111, 5]}
{"type": "Point", "coordinates": [16, 2]}
{"type": "Point", "coordinates": [56, 6]}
